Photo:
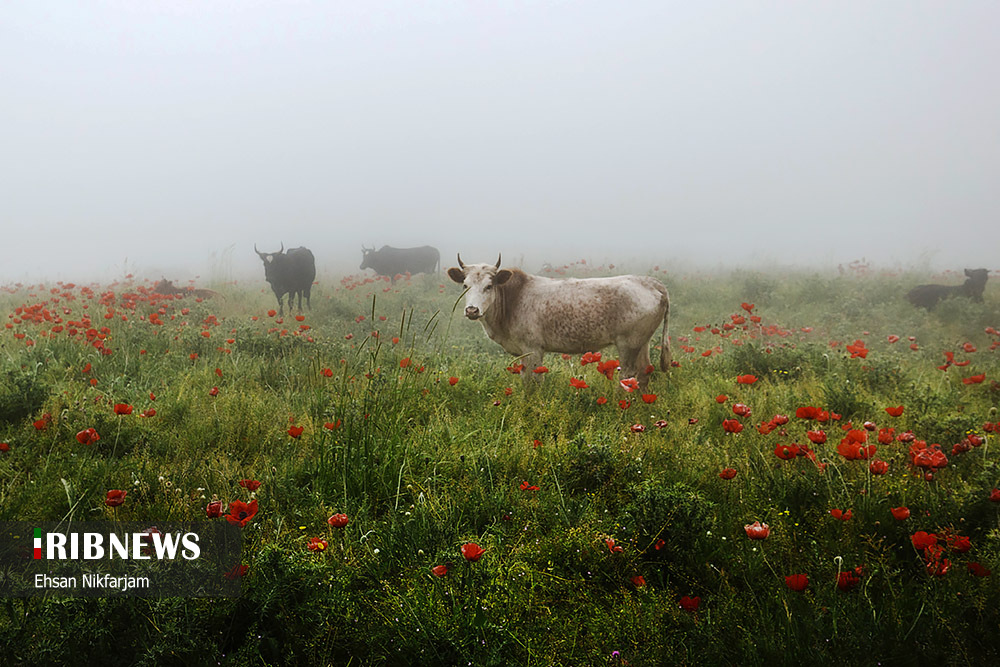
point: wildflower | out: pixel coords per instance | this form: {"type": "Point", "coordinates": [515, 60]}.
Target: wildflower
{"type": "Point", "coordinates": [797, 582]}
{"type": "Point", "coordinates": [528, 487]}
{"type": "Point", "coordinates": [660, 423]}
{"type": "Point", "coordinates": [601, 400]}
{"type": "Point", "coordinates": [731, 426]}
{"type": "Point", "coordinates": [295, 431]}
{"type": "Point", "coordinates": [757, 530]}
{"type": "Point", "coordinates": [214, 391]}
{"type": "Point", "coordinates": [960, 544]}
{"type": "Point", "coordinates": [995, 495]}
{"type": "Point", "coordinates": [721, 398]}
{"type": "Point", "coordinates": [746, 379]}
{"type": "Point", "coordinates": [741, 410]}
{"type": "Point", "coordinates": [214, 509]}
{"type": "Point", "coordinates": [974, 379]}
{"type": "Point", "coordinates": [922, 540]}
{"type": "Point", "coordinates": [690, 604]}
{"type": "Point", "coordinates": [338, 520]}
{"type": "Point", "coordinates": [900, 513]}
{"type": "Point", "coordinates": [612, 547]}
{"type": "Point", "coordinates": [237, 571]}
{"type": "Point", "coordinates": [847, 580]}
{"type": "Point", "coordinates": [786, 452]}
{"type": "Point", "coordinates": [629, 384]}
{"type": "Point", "coordinates": [728, 473]}
{"type": "Point", "coordinates": [623, 404]}
{"type": "Point", "coordinates": [637, 428]}
{"type": "Point", "coordinates": [4, 447]}
{"type": "Point", "coordinates": [453, 381]}
{"type": "Point", "coordinates": [576, 383]}
{"type": "Point", "coordinates": [536, 443]}
{"type": "Point", "coordinates": [316, 544]}
{"type": "Point", "coordinates": [538, 369]}
{"type": "Point", "coordinates": [87, 436]}
{"type": "Point", "coordinates": [249, 484]}
{"type": "Point", "coordinates": [843, 516]}
{"type": "Point", "coordinates": [240, 513]}
{"type": "Point", "coordinates": [976, 569]}
{"type": "Point", "coordinates": [818, 437]}
{"type": "Point", "coordinates": [439, 570]}
{"type": "Point", "coordinates": [638, 581]}
{"type": "Point", "coordinates": [472, 551]}
{"type": "Point", "coordinates": [516, 369]}
{"type": "Point", "coordinates": [895, 412]}
{"type": "Point", "coordinates": [878, 467]}
{"type": "Point", "coordinates": [330, 426]}
{"type": "Point", "coordinates": [649, 398]}
{"type": "Point", "coordinates": [115, 498]}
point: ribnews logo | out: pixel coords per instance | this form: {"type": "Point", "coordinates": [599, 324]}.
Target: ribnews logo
{"type": "Point", "coordinates": [114, 559]}
{"type": "Point", "coordinates": [150, 543]}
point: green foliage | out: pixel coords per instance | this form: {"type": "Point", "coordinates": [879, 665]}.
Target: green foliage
{"type": "Point", "coordinates": [422, 465]}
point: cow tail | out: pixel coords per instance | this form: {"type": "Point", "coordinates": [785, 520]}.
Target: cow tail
{"type": "Point", "coordinates": [665, 338]}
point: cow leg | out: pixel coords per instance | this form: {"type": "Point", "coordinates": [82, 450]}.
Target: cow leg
{"type": "Point", "coordinates": [281, 307]}
{"type": "Point", "coordinates": [634, 363]}
{"type": "Point", "coordinates": [308, 302]}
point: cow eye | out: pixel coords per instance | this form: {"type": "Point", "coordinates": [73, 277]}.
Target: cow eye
{"type": "Point", "coordinates": [489, 287]}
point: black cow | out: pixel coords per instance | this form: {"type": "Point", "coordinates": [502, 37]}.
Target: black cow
{"type": "Point", "coordinates": [927, 296]}
{"type": "Point", "coordinates": [389, 261]}
{"type": "Point", "coordinates": [289, 273]}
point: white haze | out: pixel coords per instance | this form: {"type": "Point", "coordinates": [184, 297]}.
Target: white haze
{"type": "Point", "coordinates": [167, 137]}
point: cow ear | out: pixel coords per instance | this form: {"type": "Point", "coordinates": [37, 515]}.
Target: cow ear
{"type": "Point", "coordinates": [456, 274]}
{"type": "Point", "coordinates": [503, 275]}
{"type": "Point", "coordinates": [968, 273]}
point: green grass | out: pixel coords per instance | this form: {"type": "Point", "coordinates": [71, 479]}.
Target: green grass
{"type": "Point", "coordinates": [422, 466]}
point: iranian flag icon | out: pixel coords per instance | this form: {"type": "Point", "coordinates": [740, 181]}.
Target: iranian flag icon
{"type": "Point", "coordinates": [38, 543]}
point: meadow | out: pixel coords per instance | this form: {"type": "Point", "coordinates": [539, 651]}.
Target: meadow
{"type": "Point", "coordinates": [407, 498]}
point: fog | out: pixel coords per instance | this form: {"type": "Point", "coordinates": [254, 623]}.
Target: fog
{"type": "Point", "coordinates": [168, 137]}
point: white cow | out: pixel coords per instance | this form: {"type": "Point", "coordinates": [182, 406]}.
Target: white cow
{"type": "Point", "coordinates": [530, 315]}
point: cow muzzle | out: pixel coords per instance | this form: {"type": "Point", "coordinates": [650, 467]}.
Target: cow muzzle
{"type": "Point", "coordinates": [472, 312]}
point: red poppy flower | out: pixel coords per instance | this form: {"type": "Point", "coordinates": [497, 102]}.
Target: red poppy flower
{"type": "Point", "coordinates": [612, 547]}
{"type": "Point", "coordinates": [330, 426]}
{"type": "Point", "coordinates": [4, 447]}
{"type": "Point", "coordinates": [649, 398]}
{"type": "Point", "coordinates": [818, 437]}
{"type": "Point", "coordinates": [629, 384]}
{"type": "Point", "coordinates": [797, 582]}
{"type": "Point", "coordinates": [900, 513]}
{"type": "Point", "coordinates": [590, 358]}
{"type": "Point", "coordinates": [690, 604]}
{"type": "Point", "coordinates": [721, 398]}
{"type": "Point", "coordinates": [87, 436]}
{"type": "Point", "coordinates": [886, 435]}
{"type": "Point", "coordinates": [538, 369]}
{"type": "Point", "coordinates": [515, 369]}
{"type": "Point", "coordinates": [746, 379]}
{"type": "Point", "coordinates": [453, 381]}
{"type": "Point", "coordinates": [214, 391]}
{"type": "Point", "coordinates": [472, 551]}
{"type": "Point", "coordinates": [977, 570]}
{"type": "Point", "coordinates": [439, 570]}
{"type": "Point", "coordinates": [237, 571]}
{"type": "Point", "coordinates": [731, 426]}
{"type": "Point", "coordinates": [214, 509]}
{"type": "Point", "coordinates": [528, 487]}
{"type": "Point", "coordinates": [123, 409]}
{"type": "Point", "coordinates": [779, 420]}
{"type": "Point", "coordinates": [577, 383]}
{"type": "Point", "coordinates": [922, 540]}
{"type": "Point", "coordinates": [974, 379]}
{"type": "Point", "coordinates": [624, 405]}
{"type": "Point", "coordinates": [757, 530]}
{"type": "Point", "coordinates": [240, 513]}
{"type": "Point", "coordinates": [728, 473]}
{"type": "Point", "coordinates": [601, 400]}
{"type": "Point", "coordinates": [741, 410]}
{"type": "Point", "coordinates": [960, 543]}
{"type": "Point", "coordinates": [607, 368]}
{"type": "Point", "coordinates": [249, 484]}
{"type": "Point", "coordinates": [995, 495]}
{"type": "Point", "coordinates": [660, 423]}
{"type": "Point", "coordinates": [857, 349]}
{"type": "Point", "coordinates": [115, 498]}
{"type": "Point", "coordinates": [536, 443]}
{"type": "Point", "coordinates": [316, 544]}
{"type": "Point", "coordinates": [338, 520]}
{"type": "Point", "coordinates": [893, 338]}
{"type": "Point", "coordinates": [847, 580]}
{"type": "Point", "coordinates": [843, 516]}
{"type": "Point", "coordinates": [878, 467]}
{"type": "Point", "coordinates": [895, 412]}
{"type": "Point", "coordinates": [638, 581]}
{"type": "Point", "coordinates": [786, 452]}
{"type": "Point", "coordinates": [295, 431]}
{"type": "Point", "coordinates": [637, 428]}
{"type": "Point", "coordinates": [806, 412]}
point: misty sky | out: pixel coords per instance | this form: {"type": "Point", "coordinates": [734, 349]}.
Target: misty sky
{"type": "Point", "coordinates": [169, 136]}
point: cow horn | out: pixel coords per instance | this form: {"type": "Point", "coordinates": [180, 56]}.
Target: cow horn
{"type": "Point", "coordinates": [282, 248]}
{"type": "Point", "coordinates": [498, 260]}
{"type": "Point", "coordinates": [259, 253]}
{"type": "Point", "coordinates": [462, 266]}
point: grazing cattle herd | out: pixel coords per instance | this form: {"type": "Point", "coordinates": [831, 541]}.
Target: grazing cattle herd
{"type": "Point", "coordinates": [927, 296]}
{"type": "Point", "coordinates": [290, 273]}
{"type": "Point", "coordinates": [529, 315]}
{"type": "Point", "coordinates": [392, 262]}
